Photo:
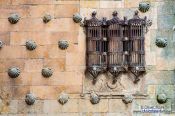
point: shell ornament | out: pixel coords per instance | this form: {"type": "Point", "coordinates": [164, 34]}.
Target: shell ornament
{"type": "Point", "coordinates": [1, 44]}
{"type": "Point", "coordinates": [31, 45]}
{"type": "Point", "coordinates": [144, 6]}
{"type": "Point", "coordinates": [63, 44]}
{"type": "Point", "coordinates": [47, 18]}
{"type": "Point", "coordinates": [63, 98]}
{"type": "Point", "coordinates": [30, 99]}
{"type": "Point", "coordinates": [162, 98]}
{"type": "Point", "coordinates": [14, 18]}
{"type": "Point", "coordinates": [127, 99]}
{"type": "Point", "coordinates": [47, 72]}
{"type": "Point", "coordinates": [77, 18]}
{"type": "Point", "coordinates": [161, 42]}
{"type": "Point", "coordinates": [13, 72]}
{"type": "Point", "coordinates": [94, 98]}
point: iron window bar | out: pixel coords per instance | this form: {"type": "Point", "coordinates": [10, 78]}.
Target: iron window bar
{"type": "Point", "coordinates": [137, 28]}
{"type": "Point", "coordinates": [115, 45]}
{"type": "Point", "coordinates": [96, 39]}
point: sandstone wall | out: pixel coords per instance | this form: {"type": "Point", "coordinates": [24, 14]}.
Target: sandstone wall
{"type": "Point", "coordinates": [69, 65]}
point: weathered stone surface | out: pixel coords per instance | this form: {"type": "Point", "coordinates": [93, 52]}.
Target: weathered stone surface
{"type": "Point", "coordinates": [86, 106]}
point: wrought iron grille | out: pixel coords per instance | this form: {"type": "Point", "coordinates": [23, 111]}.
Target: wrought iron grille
{"type": "Point", "coordinates": [115, 45]}
{"type": "Point", "coordinates": [137, 27]}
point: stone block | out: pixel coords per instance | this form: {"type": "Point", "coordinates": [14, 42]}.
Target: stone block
{"type": "Point", "coordinates": [166, 89]}
{"type": "Point", "coordinates": [38, 11]}
{"type": "Point", "coordinates": [112, 4]}
{"type": "Point", "coordinates": [117, 105]}
{"type": "Point", "coordinates": [53, 106]}
{"type": "Point", "coordinates": [150, 58]}
{"type": "Point", "coordinates": [57, 64]}
{"type": "Point", "coordinates": [29, 2]}
{"type": "Point", "coordinates": [5, 38]}
{"type": "Point", "coordinates": [23, 108]}
{"type": "Point", "coordinates": [75, 59]}
{"type": "Point", "coordinates": [86, 106]}
{"type": "Point", "coordinates": [66, 2]}
{"type": "Point", "coordinates": [7, 10]}
{"type": "Point", "coordinates": [131, 4]}
{"type": "Point", "coordinates": [10, 52]}
{"type": "Point", "coordinates": [33, 65]}
{"type": "Point", "coordinates": [159, 77]}
{"type": "Point", "coordinates": [89, 4]}
{"type": "Point", "coordinates": [19, 92]}
{"type": "Point", "coordinates": [69, 10]}
{"type": "Point", "coordinates": [7, 2]}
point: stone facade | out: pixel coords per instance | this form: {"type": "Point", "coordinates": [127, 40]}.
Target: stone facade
{"type": "Point", "coordinates": [68, 65]}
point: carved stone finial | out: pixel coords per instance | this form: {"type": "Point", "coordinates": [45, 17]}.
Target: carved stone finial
{"type": "Point", "coordinates": [1, 44]}
{"type": "Point", "coordinates": [63, 98]}
{"type": "Point", "coordinates": [47, 72]}
{"type": "Point", "coordinates": [14, 72]}
{"type": "Point", "coordinates": [47, 18]}
{"type": "Point", "coordinates": [14, 18]}
{"type": "Point", "coordinates": [30, 99]}
{"type": "Point", "coordinates": [63, 44]}
{"type": "Point", "coordinates": [94, 71]}
{"type": "Point", "coordinates": [30, 45]}
{"type": "Point", "coordinates": [115, 13]}
{"type": "Point", "coordinates": [94, 13]}
{"type": "Point", "coordinates": [127, 99]}
{"type": "Point", "coordinates": [161, 42]}
{"type": "Point", "coordinates": [77, 18]}
{"type": "Point", "coordinates": [161, 98]}
{"type": "Point", "coordinates": [94, 98]}
{"type": "Point", "coordinates": [144, 6]}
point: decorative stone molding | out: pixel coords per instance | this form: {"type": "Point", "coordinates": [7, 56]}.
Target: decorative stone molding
{"type": "Point", "coordinates": [14, 72]}
{"type": "Point", "coordinates": [30, 99]}
{"type": "Point", "coordinates": [127, 99]}
{"type": "Point", "coordinates": [63, 98]}
{"type": "Point", "coordinates": [47, 18]}
{"type": "Point", "coordinates": [47, 72]}
{"type": "Point", "coordinates": [30, 45]}
{"type": "Point", "coordinates": [14, 18]}
{"type": "Point", "coordinates": [77, 18]}
{"type": "Point", "coordinates": [1, 44]}
{"type": "Point", "coordinates": [161, 98]}
{"type": "Point", "coordinates": [63, 44]}
{"type": "Point", "coordinates": [161, 42]}
{"type": "Point", "coordinates": [144, 6]}
{"type": "Point", "coordinates": [94, 98]}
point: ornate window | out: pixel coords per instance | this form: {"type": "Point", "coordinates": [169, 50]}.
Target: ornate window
{"type": "Point", "coordinates": [115, 45]}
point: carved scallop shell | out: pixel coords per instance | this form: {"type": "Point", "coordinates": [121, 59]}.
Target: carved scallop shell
{"type": "Point", "coordinates": [31, 45]}
{"type": "Point", "coordinates": [13, 72]}
{"type": "Point", "coordinates": [47, 18]}
{"type": "Point", "coordinates": [1, 44]}
{"type": "Point", "coordinates": [144, 6]}
{"type": "Point", "coordinates": [30, 99]}
{"type": "Point", "coordinates": [14, 18]}
{"type": "Point", "coordinates": [174, 28]}
{"type": "Point", "coordinates": [47, 72]}
{"type": "Point", "coordinates": [127, 99]}
{"type": "Point", "coordinates": [63, 98]}
{"type": "Point", "coordinates": [77, 18]}
{"type": "Point", "coordinates": [161, 42]}
{"type": "Point", "coordinates": [63, 44]}
{"type": "Point", "coordinates": [94, 98]}
{"type": "Point", "coordinates": [162, 98]}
